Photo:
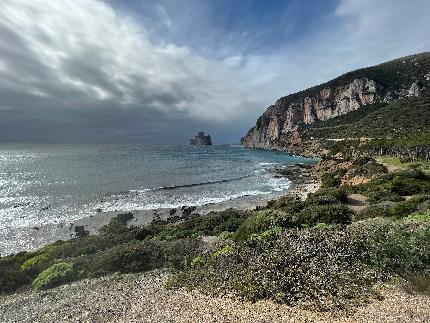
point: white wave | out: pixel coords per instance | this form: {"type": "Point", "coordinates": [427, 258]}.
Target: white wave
{"type": "Point", "coordinates": [268, 164]}
{"type": "Point", "coordinates": [143, 190]}
{"type": "Point", "coordinates": [279, 184]}
{"type": "Point", "coordinates": [130, 205]}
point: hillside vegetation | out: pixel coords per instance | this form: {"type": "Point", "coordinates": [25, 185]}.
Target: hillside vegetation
{"type": "Point", "coordinates": [317, 253]}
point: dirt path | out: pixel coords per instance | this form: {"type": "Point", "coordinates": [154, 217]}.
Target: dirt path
{"type": "Point", "coordinates": [142, 298]}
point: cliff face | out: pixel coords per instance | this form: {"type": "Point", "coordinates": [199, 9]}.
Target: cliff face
{"type": "Point", "coordinates": [278, 127]}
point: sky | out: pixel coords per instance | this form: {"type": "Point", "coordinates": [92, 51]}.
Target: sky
{"type": "Point", "coordinates": [158, 71]}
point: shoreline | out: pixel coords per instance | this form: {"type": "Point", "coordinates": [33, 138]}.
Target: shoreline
{"type": "Point", "coordinates": [15, 240]}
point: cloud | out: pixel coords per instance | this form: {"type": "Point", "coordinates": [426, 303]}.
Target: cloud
{"type": "Point", "coordinates": [69, 59]}
{"type": "Point", "coordinates": [82, 70]}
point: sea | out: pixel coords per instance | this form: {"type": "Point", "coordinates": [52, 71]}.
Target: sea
{"type": "Point", "coordinates": [55, 183]}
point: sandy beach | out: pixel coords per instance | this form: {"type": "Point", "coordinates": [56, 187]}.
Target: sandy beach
{"type": "Point", "coordinates": [14, 240]}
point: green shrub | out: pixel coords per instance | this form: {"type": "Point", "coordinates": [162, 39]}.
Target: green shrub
{"type": "Point", "coordinates": [11, 275]}
{"type": "Point", "coordinates": [368, 167]}
{"type": "Point", "coordinates": [418, 217]}
{"type": "Point", "coordinates": [212, 224]}
{"type": "Point", "coordinates": [374, 211]}
{"type": "Point", "coordinates": [258, 222]}
{"type": "Point", "coordinates": [361, 161]}
{"type": "Point", "coordinates": [328, 196]}
{"type": "Point", "coordinates": [138, 256]}
{"type": "Point", "coordinates": [334, 267]}
{"type": "Point", "coordinates": [331, 180]}
{"type": "Point", "coordinates": [384, 195]}
{"type": "Point", "coordinates": [35, 262]}
{"type": "Point", "coordinates": [282, 202]}
{"type": "Point", "coordinates": [114, 227]}
{"type": "Point", "coordinates": [125, 217]}
{"type": "Point", "coordinates": [55, 275]}
{"type": "Point", "coordinates": [405, 186]}
{"type": "Point", "coordinates": [330, 214]}
{"type": "Point", "coordinates": [400, 183]}
{"type": "Point", "coordinates": [416, 203]}
{"type": "Point", "coordinates": [197, 261]}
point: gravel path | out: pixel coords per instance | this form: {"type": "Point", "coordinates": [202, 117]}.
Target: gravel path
{"type": "Point", "coordinates": [142, 298]}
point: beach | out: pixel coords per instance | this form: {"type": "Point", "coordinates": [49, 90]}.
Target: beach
{"type": "Point", "coordinates": [14, 240]}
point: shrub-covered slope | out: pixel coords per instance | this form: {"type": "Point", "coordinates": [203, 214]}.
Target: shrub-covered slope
{"type": "Point", "coordinates": [316, 252]}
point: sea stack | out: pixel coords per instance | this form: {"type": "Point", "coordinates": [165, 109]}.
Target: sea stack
{"type": "Point", "coordinates": [201, 140]}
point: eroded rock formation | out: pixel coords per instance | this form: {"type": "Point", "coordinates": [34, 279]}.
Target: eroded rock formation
{"type": "Point", "coordinates": [278, 127]}
{"type": "Point", "coordinates": [201, 140]}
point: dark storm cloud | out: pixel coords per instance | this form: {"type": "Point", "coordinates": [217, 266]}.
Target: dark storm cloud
{"type": "Point", "coordinates": [80, 70]}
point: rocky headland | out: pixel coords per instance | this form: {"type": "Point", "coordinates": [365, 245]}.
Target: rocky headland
{"type": "Point", "coordinates": [283, 125]}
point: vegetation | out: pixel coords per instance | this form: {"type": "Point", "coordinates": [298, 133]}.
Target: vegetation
{"type": "Point", "coordinates": [389, 120]}
{"type": "Point", "coordinates": [324, 268]}
{"type": "Point", "coordinates": [401, 183]}
{"type": "Point", "coordinates": [53, 276]}
{"type": "Point", "coordinates": [316, 252]}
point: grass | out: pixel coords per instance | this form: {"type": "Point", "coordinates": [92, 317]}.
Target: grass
{"type": "Point", "coordinates": [394, 162]}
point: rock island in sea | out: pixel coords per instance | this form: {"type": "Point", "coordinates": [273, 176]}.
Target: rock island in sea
{"type": "Point", "coordinates": [201, 140]}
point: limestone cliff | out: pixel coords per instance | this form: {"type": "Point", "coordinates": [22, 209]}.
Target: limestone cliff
{"type": "Point", "coordinates": [279, 126]}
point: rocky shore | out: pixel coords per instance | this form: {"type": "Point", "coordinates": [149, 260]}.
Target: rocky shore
{"type": "Point", "coordinates": [300, 175]}
{"type": "Point", "coordinates": [143, 298]}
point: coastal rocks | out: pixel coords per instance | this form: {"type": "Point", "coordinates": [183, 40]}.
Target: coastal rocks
{"type": "Point", "coordinates": [80, 232]}
{"type": "Point", "coordinates": [187, 211]}
{"type": "Point", "coordinates": [201, 140]}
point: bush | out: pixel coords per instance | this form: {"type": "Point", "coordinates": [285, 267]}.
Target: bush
{"type": "Point", "coordinates": [212, 224]}
{"type": "Point", "coordinates": [405, 186]}
{"type": "Point", "coordinates": [368, 167]}
{"type": "Point", "coordinates": [138, 256]}
{"type": "Point", "coordinates": [55, 275]}
{"type": "Point", "coordinates": [11, 275]}
{"type": "Point", "coordinates": [257, 223]}
{"type": "Point", "coordinates": [321, 268]}
{"type": "Point", "coordinates": [361, 161]}
{"type": "Point", "coordinates": [400, 183]}
{"type": "Point", "coordinates": [416, 203]}
{"type": "Point", "coordinates": [374, 211]}
{"type": "Point", "coordinates": [330, 180]}
{"type": "Point", "coordinates": [35, 262]}
{"type": "Point", "coordinates": [329, 214]}
{"type": "Point", "coordinates": [328, 196]}
{"type": "Point", "coordinates": [384, 195]}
